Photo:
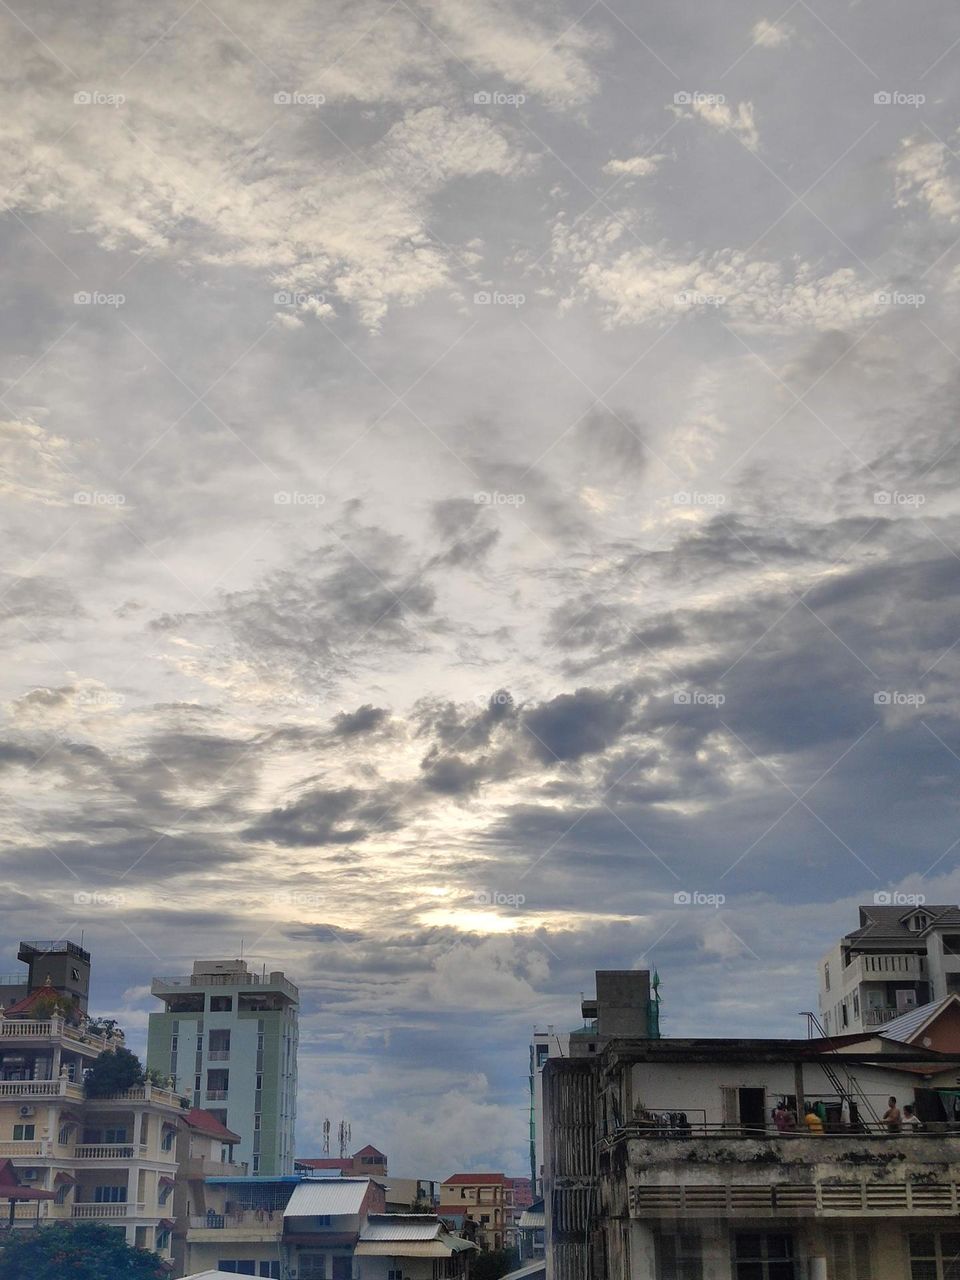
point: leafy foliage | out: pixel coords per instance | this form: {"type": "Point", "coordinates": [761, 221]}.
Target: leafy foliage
{"type": "Point", "coordinates": [87, 1251]}
{"type": "Point", "coordinates": [490, 1264]}
{"type": "Point", "coordinates": [115, 1071]}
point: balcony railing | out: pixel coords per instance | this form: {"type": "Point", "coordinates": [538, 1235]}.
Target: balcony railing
{"type": "Point", "coordinates": [143, 1093]}
{"type": "Point", "coordinates": [13, 1150]}
{"type": "Point", "coordinates": [877, 1017]}
{"type": "Point", "coordinates": [216, 1095]}
{"type": "Point", "coordinates": [240, 1220]}
{"type": "Point", "coordinates": [122, 1210]}
{"type": "Point", "coordinates": [218, 1055]}
{"type": "Point", "coordinates": [197, 982]}
{"type": "Point", "coordinates": [105, 1151]}
{"type": "Point", "coordinates": [53, 1028]}
{"type": "Point", "coordinates": [61, 1088]}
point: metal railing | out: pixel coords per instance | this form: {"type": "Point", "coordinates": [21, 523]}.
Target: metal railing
{"type": "Point", "coordinates": [701, 1129]}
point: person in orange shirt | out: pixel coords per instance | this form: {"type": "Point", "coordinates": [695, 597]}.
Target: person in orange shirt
{"type": "Point", "coordinates": [813, 1122]}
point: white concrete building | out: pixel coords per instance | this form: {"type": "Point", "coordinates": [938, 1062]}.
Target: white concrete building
{"type": "Point", "coordinates": [229, 1039]}
{"type": "Point", "coordinates": [662, 1163]}
{"type": "Point", "coordinates": [548, 1043]}
{"type": "Point", "coordinates": [901, 956]}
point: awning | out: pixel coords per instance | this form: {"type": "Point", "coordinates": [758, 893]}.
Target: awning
{"type": "Point", "coordinates": [444, 1248]}
{"type": "Point", "coordinates": [69, 1117]}
{"type": "Point", "coordinates": [64, 1180]}
{"type": "Point", "coordinates": [167, 1182]}
{"type": "Point", "coordinates": [167, 1224]}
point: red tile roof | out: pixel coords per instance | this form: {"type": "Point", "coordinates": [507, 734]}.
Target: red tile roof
{"type": "Point", "coordinates": [368, 1151]}
{"type": "Point", "coordinates": [10, 1188]}
{"type": "Point", "coordinates": [206, 1123]}
{"type": "Point", "coordinates": [471, 1179]}
{"type": "Point", "coordinates": [26, 1004]}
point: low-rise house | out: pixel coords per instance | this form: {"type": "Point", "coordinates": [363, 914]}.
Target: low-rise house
{"type": "Point", "coordinates": [530, 1232]}
{"type": "Point", "coordinates": [368, 1162]}
{"type": "Point", "coordinates": [411, 1246]}
{"type": "Point", "coordinates": [205, 1149]}
{"type": "Point", "coordinates": [318, 1228]}
{"type": "Point", "coordinates": [485, 1199]}
{"type": "Point", "coordinates": [663, 1159]}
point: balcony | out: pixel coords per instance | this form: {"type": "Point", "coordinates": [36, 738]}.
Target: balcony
{"type": "Point", "coordinates": [886, 968]}
{"type": "Point", "coordinates": [792, 1175]}
{"type": "Point", "coordinates": [151, 1093]}
{"type": "Point", "coordinates": [190, 982]}
{"type": "Point", "coordinates": [112, 1151]}
{"type": "Point", "coordinates": [54, 1029]}
{"type": "Point", "coordinates": [216, 1095]}
{"type": "Point", "coordinates": [218, 1055]}
{"type": "Point", "coordinates": [20, 1150]}
{"type": "Point", "coordinates": [877, 1017]}
{"type": "Point", "coordinates": [62, 1088]}
{"type": "Point", "coordinates": [112, 1211]}
{"type": "Point", "coordinates": [251, 1225]}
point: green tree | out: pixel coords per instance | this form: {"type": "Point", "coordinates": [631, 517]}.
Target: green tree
{"type": "Point", "coordinates": [87, 1251]}
{"type": "Point", "coordinates": [490, 1264]}
{"type": "Point", "coordinates": [114, 1071]}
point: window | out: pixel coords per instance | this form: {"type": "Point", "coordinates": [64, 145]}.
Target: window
{"type": "Point", "coordinates": [221, 1004]}
{"type": "Point", "coordinates": [761, 1256]}
{"type": "Point", "coordinates": [166, 1142]}
{"type": "Point", "coordinates": [313, 1266]}
{"type": "Point", "coordinates": [237, 1267]}
{"type": "Point", "coordinates": [256, 1164]}
{"type": "Point", "coordinates": [163, 1238]}
{"type": "Point", "coordinates": [24, 1132]}
{"type": "Point", "coordinates": [256, 1121]}
{"type": "Point", "coordinates": [110, 1195]}
{"type": "Point", "coordinates": [271, 1269]}
{"type": "Point", "coordinates": [259, 1083]}
{"type": "Point", "coordinates": [680, 1258]}
{"type": "Point", "coordinates": [826, 977]}
{"type": "Point", "coordinates": [851, 1257]}
{"type": "Point", "coordinates": [935, 1257]}
{"type": "Point", "coordinates": [856, 1004]}
{"type": "Point", "coordinates": [844, 1014]}
{"type": "Point", "coordinates": [75, 975]}
{"type": "Point", "coordinates": [61, 1195]}
{"type": "Point", "coordinates": [164, 1193]}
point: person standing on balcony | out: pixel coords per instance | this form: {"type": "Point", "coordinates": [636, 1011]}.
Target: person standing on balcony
{"type": "Point", "coordinates": [783, 1118]}
{"type": "Point", "coordinates": [891, 1117]}
{"type": "Point", "coordinates": [813, 1122]}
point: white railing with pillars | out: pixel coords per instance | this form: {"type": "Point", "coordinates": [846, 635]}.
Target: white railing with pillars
{"type": "Point", "coordinates": [121, 1210]}
{"type": "Point", "coordinates": [105, 1151]}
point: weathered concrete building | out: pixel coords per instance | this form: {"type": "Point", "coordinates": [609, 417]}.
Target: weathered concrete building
{"type": "Point", "coordinates": [662, 1161]}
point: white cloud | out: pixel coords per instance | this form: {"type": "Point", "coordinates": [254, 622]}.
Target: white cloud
{"type": "Point", "coordinates": [721, 116]}
{"type": "Point", "coordinates": [769, 35]}
{"type": "Point", "coordinates": [635, 166]}
{"type": "Point", "coordinates": [922, 175]}
{"type": "Point", "coordinates": [636, 285]}
{"type": "Point", "coordinates": [32, 463]}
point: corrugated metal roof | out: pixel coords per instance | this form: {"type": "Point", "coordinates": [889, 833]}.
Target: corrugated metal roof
{"type": "Point", "coordinates": [401, 1226]}
{"type": "Point", "coordinates": [443, 1247]}
{"type": "Point", "coordinates": [530, 1221]}
{"type": "Point", "coordinates": [908, 1024]}
{"type": "Point", "coordinates": [326, 1195]}
{"type": "Point", "coordinates": [528, 1272]}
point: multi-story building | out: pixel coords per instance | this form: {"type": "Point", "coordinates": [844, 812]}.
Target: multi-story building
{"type": "Point", "coordinates": [109, 1159]}
{"type": "Point", "coordinates": [623, 1006]}
{"type": "Point", "coordinates": [204, 1149]}
{"type": "Point", "coordinates": [368, 1162]}
{"type": "Point", "coordinates": [60, 964]}
{"type": "Point", "coordinates": [317, 1228]}
{"type": "Point", "coordinates": [898, 958]}
{"type": "Point", "coordinates": [484, 1199]}
{"type": "Point", "coordinates": [228, 1037]}
{"type": "Point", "coordinates": [662, 1161]}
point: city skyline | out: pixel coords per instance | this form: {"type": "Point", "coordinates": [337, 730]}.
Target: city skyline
{"type": "Point", "coordinates": [479, 494]}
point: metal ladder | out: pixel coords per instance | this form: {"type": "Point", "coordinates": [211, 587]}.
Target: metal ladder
{"type": "Point", "coordinates": [853, 1090]}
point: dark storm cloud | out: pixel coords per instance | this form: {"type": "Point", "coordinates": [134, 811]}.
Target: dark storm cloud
{"type": "Point", "coordinates": [573, 725]}
{"type": "Point", "coordinates": [327, 816]}
{"type": "Point", "coordinates": [348, 724]}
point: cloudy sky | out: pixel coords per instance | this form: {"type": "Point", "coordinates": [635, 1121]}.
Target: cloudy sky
{"type": "Point", "coordinates": [471, 471]}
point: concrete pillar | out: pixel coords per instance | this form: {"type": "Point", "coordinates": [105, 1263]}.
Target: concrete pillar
{"type": "Point", "coordinates": [643, 1252]}
{"type": "Point", "coordinates": [817, 1267]}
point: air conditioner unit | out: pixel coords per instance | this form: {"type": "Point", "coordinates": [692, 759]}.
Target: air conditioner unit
{"type": "Point", "coordinates": [28, 1111]}
{"type": "Point", "coordinates": [29, 1175]}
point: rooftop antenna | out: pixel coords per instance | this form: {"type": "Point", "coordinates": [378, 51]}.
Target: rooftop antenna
{"type": "Point", "coordinates": [344, 1135]}
{"type": "Point", "coordinates": [326, 1137]}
